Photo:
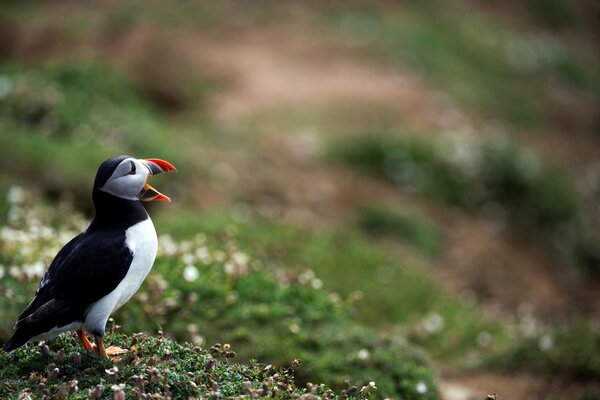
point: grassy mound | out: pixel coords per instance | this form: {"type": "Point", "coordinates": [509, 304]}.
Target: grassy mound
{"type": "Point", "coordinates": [155, 367]}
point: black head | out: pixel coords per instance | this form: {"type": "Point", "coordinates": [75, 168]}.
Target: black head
{"type": "Point", "coordinates": [126, 177]}
{"type": "Point", "coordinates": [106, 169]}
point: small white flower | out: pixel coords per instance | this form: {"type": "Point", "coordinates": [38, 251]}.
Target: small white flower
{"type": "Point", "coordinates": [167, 245]}
{"type": "Point", "coordinates": [294, 328]}
{"type": "Point", "coordinates": [421, 388]}
{"type": "Point", "coordinates": [316, 284]}
{"type": "Point", "coordinates": [433, 323]}
{"type": "Point", "coordinates": [240, 258]}
{"type": "Point", "coordinates": [190, 273]}
{"type": "Point", "coordinates": [546, 342]}
{"type": "Point", "coordinates": [203, 255]}
{"type": "Point", "coordinates": [15, 272]}
{"type": "Point", "coordinates": [112, 370]}
{"type": "Point", "coordinates": [188, 258]}
{"type": "Point", "coordinates": [307, 276]}
{"type": "Point", "coordinates": [363, 354]}
{"type": "Point", "coordinates": [15, 195]}
{"type": "Point", "coordinates": [229, 267]}
{"type": "Point", "coordinates": [198, 340]}
{"type": "Point", "coordinates": [6, 86]}
{"type": "Point", "coordinates": [484, 339]}
{"type": "Point", "coordinates": [35, 270]}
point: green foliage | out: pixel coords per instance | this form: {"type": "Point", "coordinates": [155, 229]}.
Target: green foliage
{"type": "Point", "coordinates": [481, 63]}
{"type": "Point", "coordinates": [412, 229]}
{"type": "Point", "coordinates": [535, 195]}
{"type": "Point", "coordinates": [208, 290]}
{"type": "Point", "coordinates": [571, 350]}
{"type": "Point", "coordinates": [69, 117]}
{"type": "Point", "coordinates": [406, 160]}
{"type": "Point", "coordinates": [497, 179]}
{"type": "Point", "coordinates": [460, 54]}
{"type": "Point", "coordinates": [155, 366]}
{"type": "Point", "coordinates": [554, 13]}
{"type": "Point", "coordinates": [470, 175]}
{"type": "Point", "coordinates": [381, 290]}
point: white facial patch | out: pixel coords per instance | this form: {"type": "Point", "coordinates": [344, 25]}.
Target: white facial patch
{"type": "Point", "coordinates": [127, 180]}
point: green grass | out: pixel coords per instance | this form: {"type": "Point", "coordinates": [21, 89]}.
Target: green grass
{"type": "Point", "coordinates": [571, 350]}
{"type": "Point", "coordinates": [498, 180]}
{"type": "Point", "coordinates": [553, 13]}
{"type": "Point", "coordinates": [409, 161]}
{"type": "Point", "coordinates": [411, 229]}
{"type": "Point", "coordinates": [69, 117]}
{"type": "Point", "coordinates": [383, 291]}
{"type": "Point", "coordinates": [469, 175]}
{"type": "Point", "coordinates": [499, 71]}
{"type": "Point", "coordinates": [207, 290]}
{"type": "Point", "coordinates": [154, 366]}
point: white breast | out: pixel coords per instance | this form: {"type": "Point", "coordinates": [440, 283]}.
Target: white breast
{"type": "Point", "coordinates": [141, 240]}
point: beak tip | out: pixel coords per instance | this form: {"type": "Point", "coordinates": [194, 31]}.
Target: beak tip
{"type": "Point", "coordinates": [157, 166]}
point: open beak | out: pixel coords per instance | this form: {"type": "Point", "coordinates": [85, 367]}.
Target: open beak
{"type": "Point", "coordinates": [156, 166]}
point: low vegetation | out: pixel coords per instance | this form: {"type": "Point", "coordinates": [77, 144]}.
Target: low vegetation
{"type": "Point", "coordinates": [568, 351]}
{"type": "Point", "coordinates": [205, 291]}
{"type": "Point", "coordinates": [67, 117]}
{"type": "Point", "coordinates": [420, 234]}
{"type": "Point", "coordinates": [155, 367]}
{"type": "Point", "coordinates": [495, 179]}
{"type": "Point", "coordinates": [498, 71]}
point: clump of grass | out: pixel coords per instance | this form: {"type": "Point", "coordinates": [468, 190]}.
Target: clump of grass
{"type": "Point", "coordinates": [471, 175]}
{"type": "Point", "coordinates": [496, 179]}
{"type": "Point", "coordinates": [572, 350]}
{"type": "Point", "coordinates": [554, 13]}
{"type": "Point", "coordinates": [379, 220]}
{"type": "Point", "coordinates": [154, 366]}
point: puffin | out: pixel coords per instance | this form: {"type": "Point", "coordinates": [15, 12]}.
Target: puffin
{"type": "Point", "coordinates": [100, 269]}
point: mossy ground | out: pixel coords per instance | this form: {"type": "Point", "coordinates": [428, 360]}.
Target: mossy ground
{"type": "Point", "coordinates": [155, 367]}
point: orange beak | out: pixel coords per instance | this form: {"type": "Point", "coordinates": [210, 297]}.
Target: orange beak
{"type": "Point", "coordinates": [156, 166]}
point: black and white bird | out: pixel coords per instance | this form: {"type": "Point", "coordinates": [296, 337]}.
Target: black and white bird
{"type": "Point", "coordinates": [100, 269]}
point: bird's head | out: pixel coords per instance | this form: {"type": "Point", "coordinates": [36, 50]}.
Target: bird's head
{"type": "Point", "coordinates": [127, 178]}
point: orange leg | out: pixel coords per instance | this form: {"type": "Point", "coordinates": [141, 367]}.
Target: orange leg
{"type": "Point", "coordinates": [83, 337]}
{"type": "Point", "coordinates": [112, 351]}
{"type": "Point", "coordinates": [100, 345]}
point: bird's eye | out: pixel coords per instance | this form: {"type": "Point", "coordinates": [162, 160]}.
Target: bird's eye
{"type": "Point", "coordinates": [132, 172]}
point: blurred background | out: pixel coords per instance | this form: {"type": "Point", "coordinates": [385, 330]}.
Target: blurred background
{"type": "Point", "coordinates": [435, 164]}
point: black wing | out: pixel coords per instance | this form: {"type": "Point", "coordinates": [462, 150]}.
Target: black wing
{"type": "Point", "coordinates": [88, 268]}
{"type": "Point", "coordinates": [43, 296]}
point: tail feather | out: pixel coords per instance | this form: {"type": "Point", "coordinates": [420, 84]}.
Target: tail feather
{"type": "Point", "coordinates": [24, 331]}
{"type": "Point", "coordinates": [15, 342]}
{"type": "Point", "coordinates": [52, 314]}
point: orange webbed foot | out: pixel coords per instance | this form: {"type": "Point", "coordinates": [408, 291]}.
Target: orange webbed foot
{"type": "Point", "coordinates": [84, 340]}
